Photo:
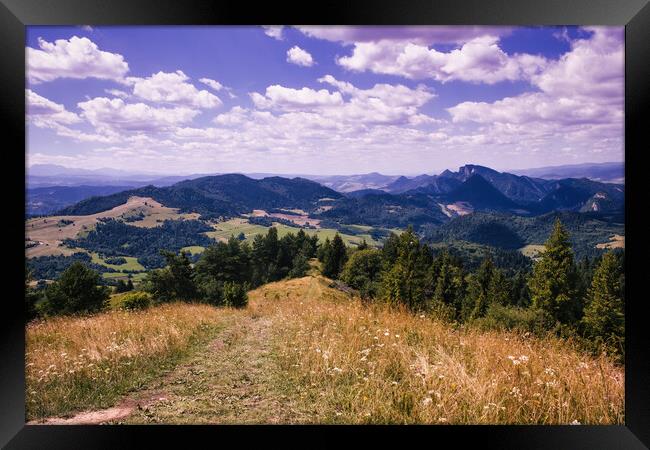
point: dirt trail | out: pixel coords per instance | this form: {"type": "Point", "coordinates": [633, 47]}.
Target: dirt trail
{"type": "Point", "coordinates": [231, 380]}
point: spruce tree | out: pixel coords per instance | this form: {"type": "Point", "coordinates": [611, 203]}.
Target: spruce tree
{"type": "Point", "coordinates": [335, 258]}
{"type": "Point", "coordinates": [604, 318]}
{"type": "Point", "coordinates": [553, 284]}
{"type": "Point", "coordinates": [478, 289]}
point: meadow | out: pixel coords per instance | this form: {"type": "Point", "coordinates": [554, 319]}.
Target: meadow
{"type": "Point", "coordinates": [303, 351]}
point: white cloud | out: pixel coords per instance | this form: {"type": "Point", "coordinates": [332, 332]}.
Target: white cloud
{"type": "Point", "coordinates": [73, 58]}
{"type": "Point", "coordinates": [280, 97]}
{"type": "Point", "coordinates": [115, 114]}
{"type": "Point", "coordinates": [274, 31]}
{"type": "Point", "coordinates": [300, 57]}
{"type": "Point", "coordinates": [214, 84]}
{"type": "Point", "coordinates": [479, 60]}
{"type": "Point", "coordinates": [116, 93]}
{"type": "Point", "coordinates": [173, 88]}
{"type": "Point", "coordinates": [424, 35]}
{"type": "Point", "coordinates": [46, 113]}
{"type": "Point", "coordinates": [381, 104]}
{"type": "Point", "coordinates": [585, 85]}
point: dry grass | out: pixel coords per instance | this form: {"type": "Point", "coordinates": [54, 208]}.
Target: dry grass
{"type": "Point", "coordinates": [76, 363]}
{"type": "Point", "coordinates": [370, 364]}
{"type": "Point", "coordinates": [303, 352]}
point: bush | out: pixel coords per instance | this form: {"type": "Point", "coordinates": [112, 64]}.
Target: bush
{"type": "Point", "coordinates": [78, 290]}
{"type": "Point", "coordinates": [115, 260]}
{"type": "Point", "coordinates": [234, 295]}
{"type": "Point", "coordinates": [136, 300]}
{"type": "Point", "coordinates": [499, 317]}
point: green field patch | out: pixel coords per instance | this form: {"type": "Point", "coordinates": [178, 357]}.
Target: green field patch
{"type": "Point", "coordinates": [193, 249]}
{"type": "Point", "coordinates": [136, 277]}
{"type": "Point", "coordinates": [233, 227]}
{"type": "Point", "coordinates": [131, 263]}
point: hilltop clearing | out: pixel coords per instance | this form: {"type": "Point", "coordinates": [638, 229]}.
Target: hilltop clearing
{"type": "Point", "coordinates": [48, 233]}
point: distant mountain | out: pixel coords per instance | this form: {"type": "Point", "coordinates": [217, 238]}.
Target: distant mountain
{"type": "Point", "coordinates": [221, 195]}
{"type": "Point", "coordinates": [508, 231]}
{"type": "Point", "coordinates": [46, 200]}
{"type": "Point", "coordinates": [350, 183]}
{"type": "Point", "coordinates": [609, 172]}
{"type": "Point", "coordinates": [478, 192]}
{"type": "Point", "coordinates": [46, 175]}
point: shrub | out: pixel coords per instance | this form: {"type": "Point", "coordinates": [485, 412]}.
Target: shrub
{"type": "Point", "coordinates": [136, 300]}
{"type": "Point", "coordinates": [234, 295]}
{"type": "Point", "coordinates": [499, 317]}
{"type": "Point", "coordinates": [78, 290]}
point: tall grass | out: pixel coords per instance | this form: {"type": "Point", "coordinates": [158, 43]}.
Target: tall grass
{"type": "Point", "coordinates": [78, 363]}
{"type": "Point", "coordinates": [373, 364]}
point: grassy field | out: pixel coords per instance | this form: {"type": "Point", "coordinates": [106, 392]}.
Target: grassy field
{"type": "Point", "coordinates": [532, 250]}
{"type": "Point", "coordinates": [223, 231]}
{"type": "Point", "coordinates": [130, 264]}
{"type": "Point", "coordinates": [136, 277]}
{"type": "Point", "coordinates": [616, 241]}
{"type": "Point", "coordinates": [193, 249]}
{"type": "Point", "coordinates": [304, 352]}
{"type": "Point", "coordinates": [75, 363]}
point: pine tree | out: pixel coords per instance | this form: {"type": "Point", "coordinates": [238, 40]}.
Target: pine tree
{"type": "Point", "coordinates": [405, 281]}
{"type": "Point", "coordinates": [334, 258]}
{"type": "Point", "coordinates": [499, 288]}
{"type": "Point", "coordinates": [604, 319]}
{"type": "Point", "coordinates": [478, 289]}
{"type": "Point", "coordinates": [553, 284]}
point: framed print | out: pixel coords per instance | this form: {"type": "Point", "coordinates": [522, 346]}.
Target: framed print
{"type": "Point", "coordinates": [400, 219]}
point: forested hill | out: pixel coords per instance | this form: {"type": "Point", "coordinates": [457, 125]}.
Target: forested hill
{"type": "Point", "coordinates": [222, 195]}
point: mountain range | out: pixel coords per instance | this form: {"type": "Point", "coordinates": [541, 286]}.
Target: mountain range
{"type": "Point", "coordinates": [420, 200]}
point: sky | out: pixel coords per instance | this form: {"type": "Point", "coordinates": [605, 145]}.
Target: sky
{"type": "Point", "coordinates": [323, 100]}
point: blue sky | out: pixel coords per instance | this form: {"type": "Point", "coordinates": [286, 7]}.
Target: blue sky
{"type": "Point", "coordinates": [323, 100]}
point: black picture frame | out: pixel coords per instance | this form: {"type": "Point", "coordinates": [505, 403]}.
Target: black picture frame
{"type": "Point", "coordinates": [16, 14]}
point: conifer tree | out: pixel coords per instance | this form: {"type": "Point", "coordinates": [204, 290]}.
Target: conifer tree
{"type": "Point", "coordinates": [553, 284]}
{"type": "Point", "coordinates": [604, 318]}
{"type": "Point", "coordinates": [478, 289]}
{"type": "Point", "coordinates": [335, 258]}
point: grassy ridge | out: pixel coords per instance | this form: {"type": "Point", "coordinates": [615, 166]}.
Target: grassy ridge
{"type": "Point", "coordinates": [78, 363]}
{"type": "Point", "coordinates": [328, 359]}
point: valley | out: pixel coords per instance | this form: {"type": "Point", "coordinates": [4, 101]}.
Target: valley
{"type": "Point", "coordinates": [474, 205]}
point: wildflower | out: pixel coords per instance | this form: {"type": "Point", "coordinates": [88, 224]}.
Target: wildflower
{"type": "Point", "coordinates": [427, 401]}
{"type": "Point", "coordinates": [523, 358]}
{"type": "Point", "coordinates": [386, 333]}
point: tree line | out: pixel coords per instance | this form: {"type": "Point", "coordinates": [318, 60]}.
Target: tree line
{"type": "Point", "coordinates": [584, 299]}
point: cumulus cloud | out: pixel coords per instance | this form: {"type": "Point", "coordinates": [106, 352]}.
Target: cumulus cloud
{"type": "Point", "coordinates": [115, 114]}
{"type": "Point", "coordinates": [423, 35]}
{"type": "Point", "coordinates": [173, 88]}
{"type": "Point", "coordinates": [585, 85]}
{"type": "Point", "coordinates": [73, 58]}
{"type": "Point", "coordinates": [280, 97]}
{"type": "Point", "coordinates": [480, 60]}
{"type": "Point", "coordinates": [46, 113]}
{"type": "Point", "coordinates": [274, 31]}
{"type": "Point", "coordinates": [381, 104]}
{"type": "Point", "coordinates": [214, 84]}
{"type": "Point", "coordinates": [300, 57]}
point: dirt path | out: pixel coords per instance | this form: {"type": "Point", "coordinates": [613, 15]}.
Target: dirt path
{"type": "Point", "coordinates": [233, 380]}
